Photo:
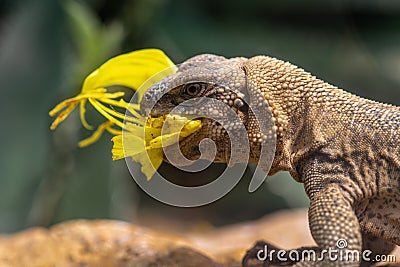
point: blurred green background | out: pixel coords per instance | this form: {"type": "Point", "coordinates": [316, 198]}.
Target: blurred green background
{"type": "Point", "coordinates": [47, 47]}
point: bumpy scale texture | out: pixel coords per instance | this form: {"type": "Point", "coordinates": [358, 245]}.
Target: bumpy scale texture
{"type": "Point", "coordinates": [343, 148]}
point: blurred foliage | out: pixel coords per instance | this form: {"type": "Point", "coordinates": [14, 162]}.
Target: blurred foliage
{"type": "Point", "coordinates": [48, 46]}
{"type": "Point", "coordinates": [94, 42]}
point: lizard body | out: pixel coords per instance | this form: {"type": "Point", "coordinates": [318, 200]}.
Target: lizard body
{"type": "Point", "coordinates": [343, 148]}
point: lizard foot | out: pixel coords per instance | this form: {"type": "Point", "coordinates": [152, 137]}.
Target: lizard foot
{"type": "Point", "coordinates": [263, 252]}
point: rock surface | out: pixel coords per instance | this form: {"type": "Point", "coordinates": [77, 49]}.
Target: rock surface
{"type": "Point", "coordinates": [113, 243]}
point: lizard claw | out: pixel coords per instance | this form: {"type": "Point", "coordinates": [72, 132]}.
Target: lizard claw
{"type": "Point", "coordinates": [253, 254]}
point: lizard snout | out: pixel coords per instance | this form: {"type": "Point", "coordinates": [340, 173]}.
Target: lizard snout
{"type": "Point", "coordinates": [145, 106]}
{"type": "Point", "coordinates": [156, 101]}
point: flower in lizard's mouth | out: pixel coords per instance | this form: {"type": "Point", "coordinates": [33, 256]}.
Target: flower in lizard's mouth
{"type": "Point", "coordinates": [145, 144]}
{"type": "Point", "coordinates": [136, 136]}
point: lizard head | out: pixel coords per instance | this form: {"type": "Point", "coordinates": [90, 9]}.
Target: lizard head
{"type": "Point", "coordinates": [215, 90]}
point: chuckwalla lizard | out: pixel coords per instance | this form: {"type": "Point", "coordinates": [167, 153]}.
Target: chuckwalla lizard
{"type": "Point", "coordinates": [343, 148]}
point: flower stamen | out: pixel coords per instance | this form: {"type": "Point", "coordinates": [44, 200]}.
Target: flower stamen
{"type": "Point", "coordinates": [106, 126]}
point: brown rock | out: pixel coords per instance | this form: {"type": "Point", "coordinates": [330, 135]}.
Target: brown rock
{"type": "Point", "coordinates": [113, 243]}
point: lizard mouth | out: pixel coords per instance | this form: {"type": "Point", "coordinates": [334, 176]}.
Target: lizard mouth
{"type": "Point", "coordinates": [190, 145]}
{"type": "Point", "coordinates": [187, 142]}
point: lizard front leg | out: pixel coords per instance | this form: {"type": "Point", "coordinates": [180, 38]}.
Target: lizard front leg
{"type": "Point", "coordinates": [334, 227]}
{"type": "Point", "coordinates": [333, 224]}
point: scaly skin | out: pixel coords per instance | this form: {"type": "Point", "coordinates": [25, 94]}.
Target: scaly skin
{"type": "Point", "coordinates": [343, 148]}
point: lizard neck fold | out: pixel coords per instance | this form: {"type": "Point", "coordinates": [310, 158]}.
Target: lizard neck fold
{"type": "Point", "coordinates": [285, 88]}
{"type": "Point", "coordinates": [293, 94]}
{"type": "Point", "coordinates": [283, 85]}
{"type": "Point", "coordinates": [312, 118]}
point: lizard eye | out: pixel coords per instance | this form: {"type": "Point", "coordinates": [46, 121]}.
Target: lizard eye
{"type": "Point", "coordinates": [193, 89]}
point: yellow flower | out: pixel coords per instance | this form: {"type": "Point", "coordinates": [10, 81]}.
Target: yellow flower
{"type": "Point", "coordinates": [138, 142]}
{"type": "Point", "coordinates": [130, 70]}
{"type": "Point", "coordinates": [142, 139]}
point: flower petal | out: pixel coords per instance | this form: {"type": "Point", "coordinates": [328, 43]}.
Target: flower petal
{"type": "Point", "coordinates": [164, 140]}
{"type": "Point", "coordinates": [190, 127]}
{"type": "Point", "coordinates": [149, 167]}
{"type": "Point", "coordinates": [131, 145]}
{"type": "Point", "coordinates": [130, 70]}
